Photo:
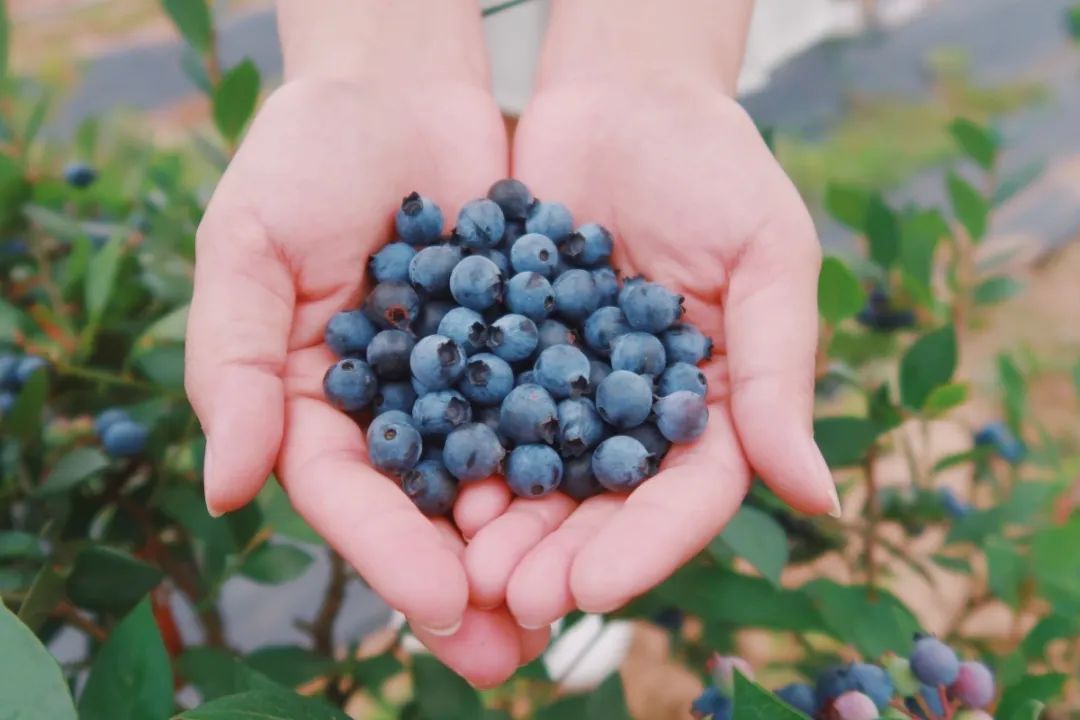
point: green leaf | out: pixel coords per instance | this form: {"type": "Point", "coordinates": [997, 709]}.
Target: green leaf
{"type": "Point", "coordinates": [1057, 572]}
{"type": "Point", "coordinates": [881, 410]}
{"type": "Point", "coordinates": [15, 190]}
{"type": "Point", "coordinates": [920, 233]}
{"type": "Point", "coordinates": [847, 204]}
{"type": "Point", "coordinates": [1017, 697]}
{"type": "Point", "coordinates": [1005, 569]}
{"type": "Point", "coordinates": [73, 468]}
{"type": "Point", "coordinates": [168, 328]}
{"type": "Point", "coordinates": [882, 232]}
{"type": "Point", "coordinates": [1032, 710]}
{"type": "Point", "coordinates": [264, 705]}
{"type": "Point", "coordinates": [844, 440]}
{"type": "Point", "coordinates": [996, 289]}
{"type": "Point", "coordinates": [970, 207]}
{"type": "Point", "coordinates": [31, 684]}
{"type": "Point", "coordinates": [945, 398]}
{"type": "Point", "coordinates": [107, 579]}
{"type": "Point", "coordinates": [1018, 181]}
{"type": "Point", "coordinates": [194, 67]}
{"type": "Point", "coordinates": [1015, 392]}
{"type": "Point", "coordinates": [755, 536]}
{"type": "Point", "coordinates": [1048, 629]}
{"type": "Point", "coordinates": [5, 28]}
{"type": "Point", "coordinates": [60, 226]}
{"type": "Point", "coordinates": [442, 693]}
{"type": "Point", "coordinates": [574, 706]}
{"type": "Point", "coordinates": [873, 625]}
{"type": "Point", "coordinates": [217, 673]}
{"type": "Point", "coordinates": [192, 19]}
{"type": "Point", "coordinates": [46, 591]}
{"type": "Point", "coordinates": [607, 702]}
{"type": "Point", "coordinates": [753, 702]}
{"type": "Point", "coordinates": [1072, 20]}
{"type": "Point", "coordinates": [275, 564]}
{"type": "Point", "coordinates": [976, 142]}
{"type": "Point", "coordinates": [20, 545]}
{"type": "Point", "coordinates": [131, 677]}
{"type": "Point", "coordinates": [840, 295]}
{"type": "Point", "coordinates": [976, 526]}
{"type": "Point", "coordinates": [927, 364]}
{"type": "Point", "coordinates": [289, 665]}
{"type": "Point", "coordinates": [234, 99]}
{"type": "Point", "coordinates": [24, 419]}
{"type": "Point", "coordinates": [280, 516]}
{"type": "Point", "coordinates": [101, 277]}
{"type": "Point", "coordinates": [374, 671]}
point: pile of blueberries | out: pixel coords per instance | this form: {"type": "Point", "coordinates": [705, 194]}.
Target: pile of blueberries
{"type": "Point", "coordinates": [933, 684]}
{"type": "Point", "coordinates": [512, 347]}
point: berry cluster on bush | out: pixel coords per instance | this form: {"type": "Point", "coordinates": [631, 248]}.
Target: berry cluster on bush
{"type": "Point", "coordinates": [14, 372]}
{"type": "Point", "coordinates": [511, 347]}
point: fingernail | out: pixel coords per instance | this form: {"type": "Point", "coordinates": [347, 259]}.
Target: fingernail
{"type": "Point", "coordinates": [443, 632]}
{"type": "Point", "coordinates": [528, 626]}
{"type": "Point", "coordinates": [837, 510]}
{"type": "Point", "coordinates": [208, 461]}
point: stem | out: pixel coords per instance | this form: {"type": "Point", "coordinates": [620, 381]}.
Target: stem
{"type": "Point", "coordinates": [873, 512]}
{"type": "Point", "coordinates": [67, 612]}
{"type": "Point", "coordinates": [104, 376]}
{"type": "Point", "coordinates": [322, 628]}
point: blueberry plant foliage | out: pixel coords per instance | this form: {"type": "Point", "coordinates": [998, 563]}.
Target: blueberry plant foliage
{"type": "Point", "coordinates": [104, 535]}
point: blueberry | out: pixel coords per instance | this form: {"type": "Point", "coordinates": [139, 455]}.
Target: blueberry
{"type": "Point", "coordinates": [487, 380]}
{"type": "Point", "coordinates": [598, 370]}
{"type": "Point", "coordinates": [799, 696]}
{"type": "Point", "coordinates": [28, 366]}
{"type": "Point", "coordinates": [683, 376]}
{"type": "Point", "coordinates": [500, 259]}
{"type": "Point", "coordinates": [685, 343]}
{"type": "Point", "coordinates": [974, 685]}
{"type": "Point", "coordinates": [650, 307]}
{"type": "Point", "coordinates": [528, 415]}
{"type": "Point", "coordinates": [430, 269]}
{"type": "Point", "coordinates": [437, 362]}
{"type": "Point", "coordinates": [621, 463]}
{"type": "Point", "coordinates": [650, 436]}
{"type": "Point", "coordinates": [552, 332]}
{"type": "Point", "coordinates": [125, 438]}
{"type": "Point", "coordinates": [350, 384]}
{"type": "Point", "coordinates": [480, 224]}
{"type": "Point", "coordinates": [607, 286]}
{"type": "Point", "coordinates": [932, 698]}
{"type": "Point", "coordinates": [575, 295]}
{"type": "Point", "coordinates": [899, 671]}
{"type": "Point", "coordinates": [681, 416]}
{"type": "Point", "coordinates": [879, 314]}
{"type": "Point", "coordinates": [853, 705]}
{"type": "Point", "coordinates": [440, 411]}
{"type": "Point", "coordinates": [7, 401]}
{"type": "Point", "coordinates": [489, 415]}
{"type": "Point", "coordinates": [394, 445]}
{"type": "Point", "coordinates": [624, 399]}
{"type": "Point", "coordinates": [9, 365]}
{"type": "Point", "coordinates": [394, 396]}
{"type": "Point", "coordinates": [629, 284]}
{"type": "Point", "coordinates": [418, 387]}
{"type": "Point", "coordinates": [525, 378]}
{"type": "Point", "coordinates": [534, 253]}
{"type": "Point", "coordinates": [430, 487]}
{"type": "Point", "coordinates": [530, 294]}
{"type": "Point", "coordinates": [107, 418]}
{"type": "Point", "coordinates": [391, 263]}
{"type": "Point", "coordinates": [388, 354]}
{"type": "Point", "coordinates": [602, 327]}
{"type": "Point", "coordinates": [419, 221]}
{"type": "Point", "coordinates": [431, 314]}
{"type": "Point", "coordinates": [348, 333]}
{"type": "Point", "coordinates": [563, 371]}
{"type": "Point", "coordinates": [514, 230]}
{"type": "Point", "coordinates": [723, 667]}
{"type": "Point", "coordinates": [580, 427]}
{"type": "Point", "coordinates": [476, 283]}
{"type": "Point", "coordinates": [465, 327]}
{"type": "Point", "coordinates": [868, 679]}
{"type": "Point", "coordinates": [933, 662]}
{"type": "Point", "coordinates": [1000, 437]}
{"type": "Point", "coordinates": [80, 175]}
{"type": "Point", "coordinates": [589, 246]}
{"type": "Point", "coordinates": [953, 506]}
{"type": "Point", "coordinates": [513, 337]}
{"type": "Point", "coordinates": [392, 305]}
{"type": "Point", "coordinates": [550, 219]}
{"type": "Point", "coordinates": [638, 352]}
{"type": "Point", "coordinates": [533, 470]}
{"type": "Point", "coordinates": [712, 703]}
{"type": "Point", "coordinates": [578, 481]}
{"type": "Point", "coordinates": [513, 197]}
{"type": "Point", "coordinates": [473, 452]}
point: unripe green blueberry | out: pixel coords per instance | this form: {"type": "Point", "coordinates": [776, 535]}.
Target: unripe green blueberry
{"type": "Point", "coordinates": [899, 670]}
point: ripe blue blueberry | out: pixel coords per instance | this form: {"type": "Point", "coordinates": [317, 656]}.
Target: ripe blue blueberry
{"type": "Point", "coordinates": [388, 354]}
{"type": "Point", "coordinates": [624, 399]}
{"type": "Point", "coordinates": [650, 436]}
{"type": "Point", "coordinates": [681, 416]}
{"type": "Point", "coordinates": [430, 487]}
{"type": "Point", "coordinates": [534, 253]}
{"type": "Point", "coordinates": [465, 327]}
{"type": "Point", "coordinates": [530, 294]}
{"type": "Point", "coordinates": [348, 333]}
{"type": "Point", "coordinates": [1000, 437]}
{"type": "Point", "coordinates": [392, 305]}
{"type": "Point", "coordinates": [533, 470]}
{"type": "Point", "coordinates": [440, 411]}
{"type": "Point", "coordinates": [528, 415]}
{"type": "Point", "coordinates": [431, 314]}
{"type": "Point", "coordinates": [589, 246]}
{"type": "Point", "coordinates": [7, 401]}
{"type": "Point", "coordinates": [629, 284]}
{"type": "Point", "coordinates": [487, 380]}
{"type": "Point", "coordinates": [394, 396]}
{"type": "Point", "coordinates": [799, 696]}
{"type": "Point", "coordinates": [489, 415]}
{"type": "Point", "coordinates": [419, 221]}
{"type": "Point", "coordinates": [514, 230]}
{"type": "Point", "coordinates": [651, 307]}
{"type": "Point", "coordinates": [974, 685]}
{"type": "Point", "coordinates": [931, 698]}
{"type": "Point", "coordinates": [607, 286]}
{"type": "Point", "coordinates": [638, 352]}
{"type": "Point", "coordinates": [527, 377]}
{"type": "Point", "coordinates": [350, 384]}
{"type": "Point", "coordinates": [685, 343]}
{"type": "Point", "coordinates": [125, 438]}
{"type": "Point", "coordinates": [80, 175]}
{"type": "Point", "coordinates": [437, 362]}
{"type": "Point", "coordinates": [621, 463]}
{"type": "Point", "coordinates": [391, 264]}
{"type": "Point", "coordinates": [880, 315]}
{"type": "Point", "coordinates": [513, 197]}
{"type": "Point", "coordinates": [513, 337]}
{"type": "Point", "coordinates": [683, 376]}
{"type": "Point", "coordinates": [28, 366]}
{"type": "Point", "coordinates": [870, 680]}
{"type": "Point", "coordinates": [580, 427]}
{"type": "Point", "coordinates": [9, 365]}
{"type": "Point", "coordinates": [501, 260]}
{"type": "Point", "coordinates": [552, 332]}
{"type": "Point", "coordinates": [712, 703]}
{"type": "Point", "coordinates": [933, 662]}
{"type": "Point", "coordinates": [480, 224]}
{"type": "Point", "coordinates": [578, 481]}
{"type": "Point", "coordinates": [602, 327]}
{"type": "Point", "coordinates": [430, 269]}
{"type": "Point", "coordinates": [107, 418]}
{"type": "Point", "coordinates": [575, 295]}
{"type": "Point", "coordinates": [476, 283]}
{"type": "Point", "coordinates": [598, 370]}
{"type": "Point", "coordinates": [953, 506]}
{"type": "Point", "coordinates": [563, 371]}
{"type": "Point", "coordinates": [394, 445]}
{"type": "Point", "coordinates": [550, 219]}
{"type": "Point", "coordinates": [473, 452]}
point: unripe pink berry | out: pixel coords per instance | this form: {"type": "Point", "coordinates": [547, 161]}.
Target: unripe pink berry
{"type": "Point", "coordinates": [853, 705]}
{"type": "Point", "coordinates": [723, 670]}
{"type": "Point", "coordinates": [974, 685]}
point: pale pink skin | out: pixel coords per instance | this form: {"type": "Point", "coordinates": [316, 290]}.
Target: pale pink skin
{"type": "Point", "coordinates": [855, 706]}
{"type": "Point", "coordinates": [974, 685]}
{"type": "Point", "coordinates": [723, 669]}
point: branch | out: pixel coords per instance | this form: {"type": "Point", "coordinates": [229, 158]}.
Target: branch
{"type": "Point", "coordinates": [67, 612]}
{"type": "Point", "coordinates": [322, 627]}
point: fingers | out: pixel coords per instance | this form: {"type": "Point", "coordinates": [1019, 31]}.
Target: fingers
{"type": "Point", "coordinates": [236, 342]}
{"type": "Point", "coordinates": [665, 521]}
{"type": "Point", "coordinates": [496, 550]}
{"type": "Point", "coordinates": [479, 503]}
{"type": "Point", "coordinates": [539, 590]}
{"type": "Point", "coordinates": [366, 517]}
{"type": "Point", "coordinates": [486, 650]}
{"type": "Point", "coordinates": [771, 337]}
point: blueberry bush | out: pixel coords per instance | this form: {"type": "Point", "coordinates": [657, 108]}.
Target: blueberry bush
{"type": "Point", "coordinates": [104, 536]}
